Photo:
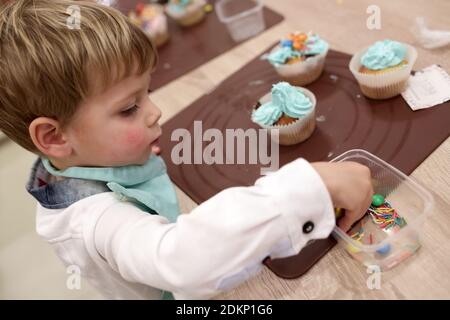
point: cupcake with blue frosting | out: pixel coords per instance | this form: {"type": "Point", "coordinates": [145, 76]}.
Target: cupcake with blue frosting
{"type": "Point", "coordinates": [383, 68]}
{"type": "Point", "coordinates": [186, 12]}
{"type": "Point", "coordinates": [288, 112]}
{"type": "Point", "coordinates": [299, 58]}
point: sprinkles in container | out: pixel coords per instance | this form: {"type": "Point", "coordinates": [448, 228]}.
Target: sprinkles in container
{"type": "Point", "coordinates": [391, 229]}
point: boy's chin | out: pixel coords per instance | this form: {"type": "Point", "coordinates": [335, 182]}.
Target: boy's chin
{"type": "Point", "coordinates": [145, 158]}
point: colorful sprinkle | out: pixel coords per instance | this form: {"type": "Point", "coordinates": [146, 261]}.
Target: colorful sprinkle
{"type": "Point", "coordinates": [357, 236]}
{"type": "Point", "coordinates": [286, 43]}
{"type": "Point", "coordinates": [295, 41]}
{"type": "Point", "coordinates": [385, 249]}
{"type": "Point", "coordinates": [338, 212]}
{"type": "Point", "coordinates": [208, 8]}
{"type": "Point", "coordinates": [384, 215]}
{"type": "Point", "coordinates": [377, 200]}
{"type": "Point", "coordinates": [352, 249]}
{"type": "Point", "coordinates": [139, 8]}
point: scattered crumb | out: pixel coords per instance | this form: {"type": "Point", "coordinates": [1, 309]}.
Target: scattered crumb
{"type": "Point", "coordinates": [256, 82]}
{"type": "Point", "coordinates": [334, 77]}
{"type": "Point", "coordinates": [321, 118]}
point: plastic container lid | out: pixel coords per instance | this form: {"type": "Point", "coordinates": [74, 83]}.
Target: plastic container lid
{"type": "Point", "coordinates": [243, 18]}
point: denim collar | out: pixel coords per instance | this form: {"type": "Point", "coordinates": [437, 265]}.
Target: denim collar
{"type": "Point", "coordinates": [59, 194]}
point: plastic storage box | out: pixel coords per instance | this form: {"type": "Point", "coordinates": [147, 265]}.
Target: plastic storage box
{"type": "Point", "coordinates": [412, 202]}
{"type": "Point", "coordinates": [243, 18]}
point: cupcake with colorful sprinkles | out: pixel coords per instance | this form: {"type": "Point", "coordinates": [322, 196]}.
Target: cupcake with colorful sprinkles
{"type": "Point", "coordinates": [152, 19]}
{"type": "Point", "coordinates": [383, 69]}
{"type": "Point", "coordinates": [299, 58]}
{"type": "Point", "coordinates": [288, 112]}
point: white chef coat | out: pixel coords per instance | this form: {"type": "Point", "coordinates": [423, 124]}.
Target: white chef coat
{"type": "Point", "coordinates": [127, 253]}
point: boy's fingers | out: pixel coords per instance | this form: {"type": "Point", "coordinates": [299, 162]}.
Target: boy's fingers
{"type": "Point", "coordinates": [349, 218]}
{"type": "Point", "coordinates": [346, 221]}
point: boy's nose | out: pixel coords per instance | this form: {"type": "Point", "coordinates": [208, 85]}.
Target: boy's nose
{"type": "Point", "coordinates": [154, 115]}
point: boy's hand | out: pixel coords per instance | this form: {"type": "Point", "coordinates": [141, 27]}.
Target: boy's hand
{"type": "Point", "coordinates": [350, 188]}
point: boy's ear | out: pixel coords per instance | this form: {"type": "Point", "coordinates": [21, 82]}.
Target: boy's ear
{"type": "Point", "coordinates": [48, 137]}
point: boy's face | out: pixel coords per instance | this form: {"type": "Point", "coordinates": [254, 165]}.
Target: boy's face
{"type": "Point", "coordinates": [116, 127]}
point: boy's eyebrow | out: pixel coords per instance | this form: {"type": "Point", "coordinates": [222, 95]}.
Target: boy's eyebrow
{"type": "Point", "coordinates": [121, 102]}
{"type": "Point", "coordinates": [125, 100]}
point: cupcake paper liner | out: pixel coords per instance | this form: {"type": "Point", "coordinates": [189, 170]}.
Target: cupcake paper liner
{"type": "Point", "coordinates": [384, 93]}
{"type": "Point", "coordinates": [157, 29]}
{"type": "Point", "coordinates": [386, 84]}
{"type": "Point", "coordinates": [303, 72]}
{"type": "Point", "coordinates": [160, 38]}
{"type": "Point", "coordinates": [297, 131]}
{"type": "Point", "coordinates": [161, 35]}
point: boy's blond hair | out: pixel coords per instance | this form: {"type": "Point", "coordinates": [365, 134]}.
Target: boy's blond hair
{"type": "Point", "coordinates": [48, 65]}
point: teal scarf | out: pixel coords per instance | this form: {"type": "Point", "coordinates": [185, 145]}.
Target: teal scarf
{"type": "Point", "coordinates": [147, 186]}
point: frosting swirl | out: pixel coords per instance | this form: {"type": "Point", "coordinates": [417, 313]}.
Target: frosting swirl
{"type": "Point", "coordinates": [267, 114]}
{"type": "Point", "coordinates": [280, 56]}
{"type": "Point", "coordinates": [285, 99]}
{"type": "Point", "coordinates": [290, 100]}
{"type": "Point", "coordinates": [383, 54]}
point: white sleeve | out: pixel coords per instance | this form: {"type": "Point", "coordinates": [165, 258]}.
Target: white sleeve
{"type": "Point", "coordinates": [223, 241]}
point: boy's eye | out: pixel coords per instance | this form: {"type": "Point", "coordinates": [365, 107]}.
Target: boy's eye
{"type": "Point", "coordinates": [129, 111]}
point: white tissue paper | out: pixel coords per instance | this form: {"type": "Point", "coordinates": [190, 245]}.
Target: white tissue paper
{"type": "Point", "coordinates": [427, 88]}
{"type": "Point", "coordinates": [430, 39]}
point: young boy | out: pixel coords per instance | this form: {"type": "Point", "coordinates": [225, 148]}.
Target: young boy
{"type": "Point", "coordinates": [78, 98]}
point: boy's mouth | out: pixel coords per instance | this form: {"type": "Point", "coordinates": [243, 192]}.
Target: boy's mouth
{"type": "Point", "coordinates": [156, 149]}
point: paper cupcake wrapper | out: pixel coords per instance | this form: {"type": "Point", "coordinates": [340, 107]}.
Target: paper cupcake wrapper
{"type": "Point", "coordinates": [297, 131]}
{"type": "Point", "coordinates": [303, 72]}
{"type": "Point", "coordinates": [159, 35]}
{"type": "Point", "coordinates": [160, 38]}
{"type": "Point", "coordinates": [387, 84]}
{"type": "Point", "coordinates": [157, 29]}
{"type": "Point", "coordinates": [384, 93]}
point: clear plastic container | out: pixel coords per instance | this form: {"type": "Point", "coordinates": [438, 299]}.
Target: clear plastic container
{"type": "Point", "coordinates": [243, 18]}
{"type": "Point", "coordinates": [412, 202]}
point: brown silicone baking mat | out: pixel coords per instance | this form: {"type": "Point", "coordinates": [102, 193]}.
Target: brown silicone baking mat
{"type": "Point", "coordinates": [188, 48]}
{"type": "Point", "coordinates": [345, 120]}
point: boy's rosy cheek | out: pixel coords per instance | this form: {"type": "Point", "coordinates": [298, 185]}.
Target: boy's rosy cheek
{"type": "Point", "coordinates": [134, 138]}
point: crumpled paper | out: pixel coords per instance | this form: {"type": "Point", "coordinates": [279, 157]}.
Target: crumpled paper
{"type": "Point", "coordinates": [430, 39]}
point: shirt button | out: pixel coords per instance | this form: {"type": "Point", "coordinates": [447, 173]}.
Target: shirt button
{"type": "Point", "coordinates": [308, 227]}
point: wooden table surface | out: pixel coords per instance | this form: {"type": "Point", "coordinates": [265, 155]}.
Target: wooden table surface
{"type": "Point", "coordinates": [343, 24]}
